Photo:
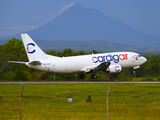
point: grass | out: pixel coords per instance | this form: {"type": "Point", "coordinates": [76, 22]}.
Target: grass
{"type": "Point", "coordinates": [49, 102]}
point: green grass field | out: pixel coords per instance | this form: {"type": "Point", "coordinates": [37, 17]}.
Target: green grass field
{"type": "Point", "coordinates": [49, 102]}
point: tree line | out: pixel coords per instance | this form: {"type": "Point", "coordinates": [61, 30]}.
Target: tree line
{"type": "Point", "coordinates": [14, 50]}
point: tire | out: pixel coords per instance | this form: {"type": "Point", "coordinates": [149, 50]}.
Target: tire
{"type": "Point", "coordinates": [82, 76]}
{"type": "Point", "coordinates": [94, 76]}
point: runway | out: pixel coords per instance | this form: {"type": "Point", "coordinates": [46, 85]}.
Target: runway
{"type": "Point", "coordinates": [77, 82]}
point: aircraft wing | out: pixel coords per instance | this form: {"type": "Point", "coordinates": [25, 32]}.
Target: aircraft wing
{"type": "Point", "coordinates": [101, 67]}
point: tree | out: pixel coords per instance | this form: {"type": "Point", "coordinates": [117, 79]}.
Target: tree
{"type": "Point", "coordinates": [52, 52]}
{"type": "Point", "coordinates": [67, 52]}
{"type": "Point", "coordinates": [152, 66]}
{"type": "Point", "coordinates": [14, 49]}
{"type": "Point", "coordinates": [21, 75]}
{"type": "Point", "coordinates": [4, 64]}
{"type": "Point", "coordinates": [94, 51]}
{"type": "Point", "coordinates": [80, 53]}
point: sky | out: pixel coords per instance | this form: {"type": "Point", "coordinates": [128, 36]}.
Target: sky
{"type": "Point", "coordinates": [17, 16]}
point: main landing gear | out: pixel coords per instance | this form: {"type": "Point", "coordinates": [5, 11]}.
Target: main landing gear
{"type": "Point", "coordinates": [82, 76]}
{"type": "Point", "coordinates": [93, 76]}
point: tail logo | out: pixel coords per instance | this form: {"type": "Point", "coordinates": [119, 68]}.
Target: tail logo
{"type": "Point", "coordinates": [30, 48]}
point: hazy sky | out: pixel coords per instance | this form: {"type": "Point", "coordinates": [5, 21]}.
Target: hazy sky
{"type": "Point", "coordinates": [18, 16]}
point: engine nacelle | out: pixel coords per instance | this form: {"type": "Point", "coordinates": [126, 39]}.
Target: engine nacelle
{"type": "Point", "coordinates": [114, 69]}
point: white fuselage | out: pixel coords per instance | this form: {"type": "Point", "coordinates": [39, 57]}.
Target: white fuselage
{"type": "Point", "coordinates": [77, 64]}
{"type": "Point", "coordinates": [112, 62]}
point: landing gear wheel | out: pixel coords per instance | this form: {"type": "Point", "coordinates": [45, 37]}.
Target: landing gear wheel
{"type": "Point", "coordinates": [82, 76]}
{"type": "Point", "coordinates": [94, 76]}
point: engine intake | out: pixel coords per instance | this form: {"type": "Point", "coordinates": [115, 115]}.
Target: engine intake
{"type": "Point", "coordinates": [114, 69]}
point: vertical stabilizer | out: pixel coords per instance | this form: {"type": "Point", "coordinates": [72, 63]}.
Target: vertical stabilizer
{"type": "Point", "coordinates": [34, 53]}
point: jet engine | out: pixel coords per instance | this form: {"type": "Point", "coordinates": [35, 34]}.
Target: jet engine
{"type": "Point", "coordinates": [114, 69]}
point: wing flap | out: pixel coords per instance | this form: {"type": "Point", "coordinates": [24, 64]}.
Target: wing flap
{"type": "Point", "coordinates": [103, 66]}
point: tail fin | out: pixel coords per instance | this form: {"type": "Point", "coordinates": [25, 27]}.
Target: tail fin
{"type": "Point", "coordinates": [34, 53]}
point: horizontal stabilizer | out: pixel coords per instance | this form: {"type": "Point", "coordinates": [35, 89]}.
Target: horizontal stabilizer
{"type": "Point", "coordinates": [17, 62]}
{"type": "Point", "coordinates": [31, 63]}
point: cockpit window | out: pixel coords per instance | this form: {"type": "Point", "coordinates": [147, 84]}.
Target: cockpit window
{"type": "Point", "coordinates": [139, 55]}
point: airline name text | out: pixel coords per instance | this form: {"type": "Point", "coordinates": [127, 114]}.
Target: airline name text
{"type": "Point", "coordinates": [110, 58]}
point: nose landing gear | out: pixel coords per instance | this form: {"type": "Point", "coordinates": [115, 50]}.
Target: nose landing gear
{"type": "Point", "coordinates": [133, 71]}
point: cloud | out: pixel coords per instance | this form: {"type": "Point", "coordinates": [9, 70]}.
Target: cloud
{"type": "Point", "coordinates": [66, 7]}
{"type": "Point", "coordinates": [6, 31]}
{"type": "Point", "coordinates": [48, 20]}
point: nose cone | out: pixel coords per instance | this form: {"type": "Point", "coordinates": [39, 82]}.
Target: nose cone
{"type": "Point", "coordinates": [143, 60]}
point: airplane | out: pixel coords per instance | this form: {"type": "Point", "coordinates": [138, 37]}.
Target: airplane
{"type": "Point", "coordinates": [112, 62]}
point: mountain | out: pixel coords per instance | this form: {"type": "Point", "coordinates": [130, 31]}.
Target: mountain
{"type": "Point", "coordinates": [82, 24]}
{"type": "Point", "coordinates": [87, 46]}
{"type": "Point", "coordinates": [99, 45]}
